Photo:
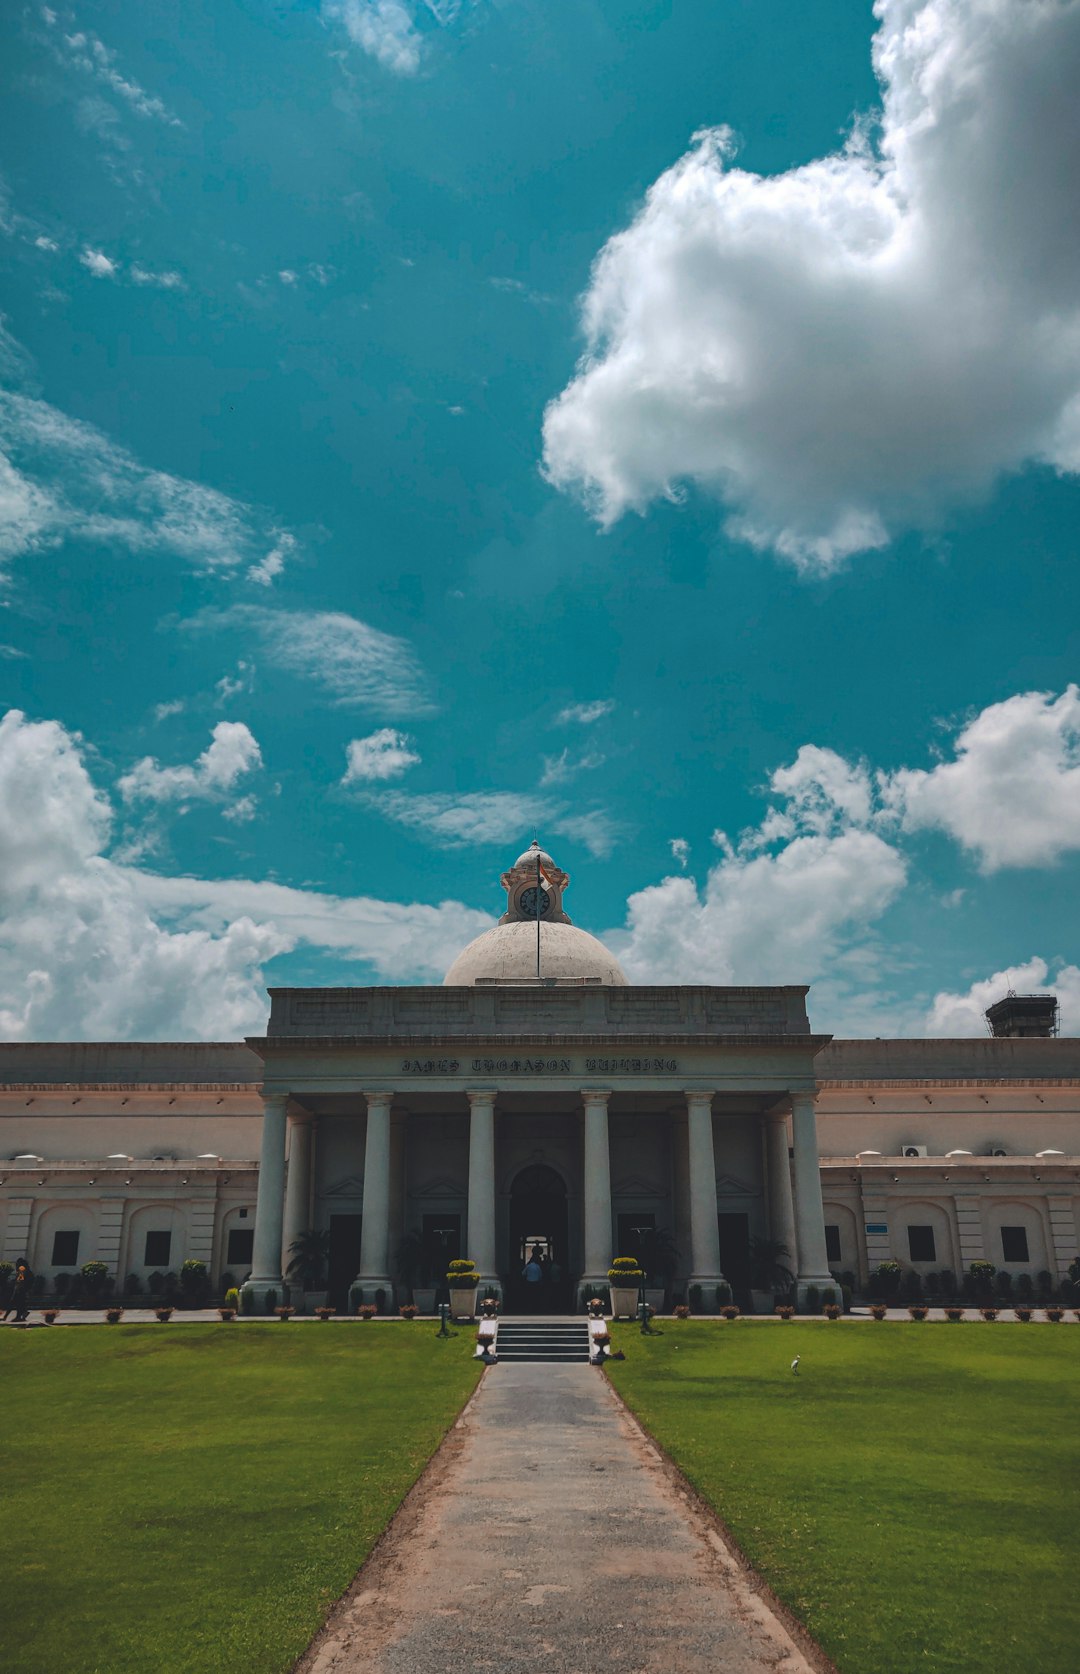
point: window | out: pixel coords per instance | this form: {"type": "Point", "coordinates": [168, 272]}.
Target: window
{"type": "Point", "coordinates": [158, 1245]}
{"type": "Point", "coordinates": [1014, 1244]}
{"type": "Point", "coordinates": [241, 1247]}
{"type": "Point", "coordinates": [832, 1244]}
{"type": "Point", "coordinates": [65, 1249]}
{"type": "Point", "coordinates": [920, 1243]}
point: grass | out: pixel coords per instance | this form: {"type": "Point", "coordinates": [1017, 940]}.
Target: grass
{"type": "Point", "coordinates": [187, 1499]}
{"type": "Point", "coordinates": [912, 1495]}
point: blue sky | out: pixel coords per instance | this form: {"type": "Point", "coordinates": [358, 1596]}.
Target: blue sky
{"type": "Point", "coordinates": [650, 426]}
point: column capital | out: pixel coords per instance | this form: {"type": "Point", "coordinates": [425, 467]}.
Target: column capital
{"type": "Point", "coordinates": [699, 1095]}
{"type": "Point", "coordinates": [803, 1095]}
{"type": "Point", "coordinates": [481, 1095]}
{"type": "Point", "coordinates": [595, 1095]}
{"type": "Point", "coordinates": [276, 1096]}
{"type": "Point", "coordinates": [377, 1097]}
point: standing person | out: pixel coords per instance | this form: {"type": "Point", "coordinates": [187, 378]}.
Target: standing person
{"type": "Point", "coordinates": [533, 1274]}
{"type": "Point", "coordinates": [19, 1300]}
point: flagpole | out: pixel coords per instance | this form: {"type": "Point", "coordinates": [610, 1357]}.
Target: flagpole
{"type": "Point", "coordinates": [538, 918]}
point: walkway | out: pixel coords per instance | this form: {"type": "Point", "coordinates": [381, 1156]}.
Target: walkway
{"type": "Point", "coordinates": [548, 1536]}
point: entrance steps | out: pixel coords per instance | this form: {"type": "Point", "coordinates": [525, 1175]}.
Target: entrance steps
{"type": "Point", "coordinates": [559, 1341]}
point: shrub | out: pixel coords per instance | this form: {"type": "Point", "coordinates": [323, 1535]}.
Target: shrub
{"type": "Point", "coordinates": [133, 1284]}
{"type": "Point", "coordinates": [271, 1301]}
{"type": "Point", "coordinates": [931, 1285]}
{"type": "Point", "coordinates": [461, 1274]}
{"type": "Point", "coordinates": [155, 1284]}
{"type": "Point", "coordinates": [947, 1281]}
{"type": "Point", "coordinates": [845, 1298]}
{"type": "Point", "coordinates": [61, 1284]}
{"type": "Point", "coordinates": [828, 1298]}
{"type": "Point", "coordinates": [694, 1297]}
{"type": "Point", "coordinates": [247, 1302]}
{"type": "Point", "coordinates": [194, 1280]}
{"type": "Point", "coordinates": [232, 1297]}
{"type": "Point", "coordinates": [723, 1294]}
{"type": "Point", "coordinates": [227, 1281]}
{"type": "Point", "coordinates": [980, 1277]}
{"type": "Point", "coordinates": [1045, 1283]}
{"type": "Point", "coordinates": [813, 1300]}
{"type": "Point", "coordinates": [625, 1271]}
{"type": "Point", "coordinates": [7, 1268]}
{"type": "Point", "coordinates": [1025, 1285]}
{"type": "Point", "coordinates": [1003, 1284]}
{"type": "Point", "coordinates": [885, 1279]}
{"type": "Point", "coordinates": [911, 1288]}
{"type": "Point", "coordinates": [380, 1301]}
{"type": "Point", "coordinates": [94, 1275]}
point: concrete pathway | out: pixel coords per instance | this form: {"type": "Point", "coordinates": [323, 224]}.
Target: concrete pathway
{"type": "Point", "coordinates": [549, 1535]}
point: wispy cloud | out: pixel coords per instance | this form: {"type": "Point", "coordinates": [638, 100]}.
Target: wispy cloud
{"type": "Point", "coordinates": [384, 29]}
{"type": "Point", "coordinates": [585, 714]}
{"type": "Point", "coordinates": [86, 52]}
{"type": "Point", "coordinates": [494, 817]}
{"type": "Point", "coordinates": [352, 661]}
{"type": "Point", "coordinates": [558, 769]}
{"type": "Point", "coordinates": [62, 479]}
{"type": "Point", "coordinates": [165, 280]}
{"type": "Point", "coordinates": [385, 754]}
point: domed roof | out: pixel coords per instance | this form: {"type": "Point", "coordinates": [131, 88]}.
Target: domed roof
{"type": "Point", "coordinates": [507, 953]}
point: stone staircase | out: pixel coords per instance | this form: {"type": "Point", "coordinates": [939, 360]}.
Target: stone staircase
{"type": "Point", "coordinates": [558, 1341]}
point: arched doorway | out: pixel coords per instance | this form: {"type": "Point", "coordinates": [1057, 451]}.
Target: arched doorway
{"type": "Point", "coordinates": [538, 1221]}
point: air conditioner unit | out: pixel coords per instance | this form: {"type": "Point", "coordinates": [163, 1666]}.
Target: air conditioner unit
{"type": "Point", "coordinates": [914, 1151]}
{"type": "Point", "coordinates": [998, 1152]}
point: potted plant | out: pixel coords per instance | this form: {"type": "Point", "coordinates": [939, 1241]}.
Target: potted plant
{"type": "Point", "coordinates": [284, 1314]}
{"type": "Point", "coordinates": [323, 1312]}
{"type": "Point", "coordinates": [769, 1272]}
{"type": "Point", "coordinates": [309, 1251]}
{"type": "Point", "coordinates": [227, 1313]}
{"type": "Point", "coordinates": [681, 1311]}
{"type": "Point", "coordinates": [164, 1314]}
{"type": "Point", "coordinates": [50, 1315]}
{"type": "Point", "coordinates": [1055, 1315]}
{"type": "Point", "coordinates": [954, 1313]}
{"type": "Point", "coordinates": [878, 1309]}
{"type": "Point", "coordinates": [1023, 1313]}
{"type": "Point", "coordinates": [367, 1310]}
{"type": "Point", "coordinates": [113, 1315]}
{"type": "Point", "coordinates": [730, 1311]}
{"type": "Point", "coordinates": [625, 1278]}
{"type": "Point", "coordinates": [918, 1310]}
{"type": "Point", "coordinates": [407, 1310]}
{"type": "Point", "coordinates": [194, 1282]}
{"type": "Point", "coordinates": [833, 1310]}
{"type": "Point", "coordinates": [989, 1314]}
{"type": "Point", "coordinates": [463, 1280]}
{"type": "Point", "coordinates": [784, 1310]}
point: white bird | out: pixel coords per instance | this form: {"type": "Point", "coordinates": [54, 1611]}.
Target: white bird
{"type": "Point", "coordinates": [795, 1365]}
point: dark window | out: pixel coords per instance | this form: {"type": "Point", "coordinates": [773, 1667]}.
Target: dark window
{"type": "Point", "coordinates": [65, 1249]}
{"type": "Point", "coordinates": [920, 1243]}
{"type": "Point", "coordinates": [158, 1245]}
{"type": "Point", "coordinates": [441, 1245]}
{"type": "Point", "coordinates": [832, 1244]}
{"type": "Point", "coordinates": [1014, 1244]}
{"type": "Point", "coordinates": [241, 1247]}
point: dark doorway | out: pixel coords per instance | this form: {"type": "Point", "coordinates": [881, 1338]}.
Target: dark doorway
{"type": "Point", "coordinates": [735, 1255]}
{"type": "Point", "coordinates": [442, 1245]}
{"type": "Point", "coordinates": [344, 1259]}
{"type": "Point", "coordinates": [632, 1231]}
{"type": "Point", "coordinates": [538, 1222]}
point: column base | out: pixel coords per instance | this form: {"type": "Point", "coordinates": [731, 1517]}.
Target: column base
{"type": "Point", "coordinates": [363, 1290]}
{"type": "Point", "coordinates": [258, 1296]}
{"type": "Point", "coordinates": [710, 1284]}
{"type": "Point", "coordinates": [810, 1281]}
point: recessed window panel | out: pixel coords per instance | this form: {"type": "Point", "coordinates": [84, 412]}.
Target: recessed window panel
{"type": "Point", "coordinates": [158, 1246]}
{"type": "Point", "coordinates": [832, 1243]}
{"type": "Point", "coordinates": [1014, 1243]}
{"type": "Point", "coordinates": [65, 1249]}
{"type": "Point", "coordinates": [921, 1243]}
{"type": "Point", "coordinates": [241, 1247]}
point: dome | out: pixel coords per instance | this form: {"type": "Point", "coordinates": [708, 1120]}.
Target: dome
{"type": "Point", "coordinates": [507, 953]}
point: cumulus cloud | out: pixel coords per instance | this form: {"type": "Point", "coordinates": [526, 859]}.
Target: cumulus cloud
{"type": "Point", "coordinates": [99, 264]}
{"type": "Point", "coordinates": [385, 754]}
{"type": "Point", "coordinates": [353, 662]}
{"type": "Point", "coordinates": [62, 479]}
{"type": "Point", "coordinates": [232, 753]}
{"type": "Point", "coordinates": [384, 29]}
{"type": "Point", "coordinates": [1011, 793]}
{"type": "Point", "coordinates": [494, 817]}
{"type": "Point", "coordinates": [92, 949]}
{"type": "Point", "coordinates": [961, 1014]}
{"type": "Point", "coordinates": [854, 346]}
{"type": "Point", "coordinates": [267, 570]}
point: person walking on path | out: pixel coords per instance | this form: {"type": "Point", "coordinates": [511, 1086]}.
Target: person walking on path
{"type": "Point", "coordinates": [19, 1300]}
{"type": "Point", "coordinates": [533, 1274]}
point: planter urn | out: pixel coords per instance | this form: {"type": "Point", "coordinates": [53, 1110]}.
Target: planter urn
{"type": "Point", "coordinates": [424, 1297]}
{"type": "Point", "coordinates": [463, 1301]}
{"type": "Point", "coordinates": [624, 1301]}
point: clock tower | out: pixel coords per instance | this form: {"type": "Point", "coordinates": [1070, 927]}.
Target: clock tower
{"type": "Point", "coordinates": [534, 888]}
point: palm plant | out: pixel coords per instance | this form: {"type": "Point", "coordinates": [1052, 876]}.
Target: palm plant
{"type": "Point", "coordinates": [309, 1256]}
{"type": "Point", "coordinates": [657, 1253]}
{"type": "Point", "coordinates": [768, 1269]}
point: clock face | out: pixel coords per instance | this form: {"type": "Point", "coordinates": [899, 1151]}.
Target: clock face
{"type": "Point", "coordinates": [534, 903]}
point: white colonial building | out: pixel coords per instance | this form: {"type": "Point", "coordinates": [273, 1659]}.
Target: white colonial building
{"type": "Point", "coordinates": [538, 1097]}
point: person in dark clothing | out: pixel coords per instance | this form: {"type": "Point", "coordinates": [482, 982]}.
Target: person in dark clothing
{"type": "Point", "coordinates": [19, 1300]}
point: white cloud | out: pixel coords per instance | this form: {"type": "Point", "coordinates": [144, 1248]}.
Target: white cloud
{"type": "Point", "coordinates": [44, 242]}
{"type": "Point", "coordinates": [266, 571]}
{"type": "Point", "coordinates": [680, 850]}
{"type": "Point", "coordinates": [63, 479]}
{"type": "Point", "coordinates": [165, 280]}
{"type": "Point", "coordinates": [480, 817]}
{"type": "Point", "coordinates": [584, 714]}
{"type": "Point", "coordinates": [385, 754]}
{"type": "Point", "coordinates": [1011, 794]}
{"type": "Point", "coordinates": [230, 686]}
{"type": "Point", "coordinates": [287, 276]}
{"type": "Point", "coordinates": [232, 753]}
{"type": "Point", "coordinates": [856, 345]}
{"type": "Point", "coordinates": [353, 662]}
{"type": "Point", "coordinates": [384, 29]}
{"type": "Point", "coordinates": [99, 264]}
{"type": "Point", "coordinates": [84, 51]}
{"type": "Point", "coordinates": [557, 769]}
{"type": "Point", "coordinates": [955, 1015]}
{"type": "Point", "coordinates": [174, 706]}
{"type": "Point", "coordinates": [95, 950]}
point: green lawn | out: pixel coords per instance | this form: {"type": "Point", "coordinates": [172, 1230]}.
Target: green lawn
{"type": "Point", "coordinates": [192, 1497]}
{"type": "Point", "coordinates": [913, 1495]}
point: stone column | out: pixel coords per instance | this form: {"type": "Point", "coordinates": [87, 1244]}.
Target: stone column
{"type": "Point", "coordinates": [813, 1260]}
{"type": "Point", "coordinates": [266, 1255]}
{"type": "Point", "coordinates": [480, 1234]}
{"type": "Point", "coordinates": [781, 1202]}
{"type": "Point", "coordinates": [374, 1271]}
{"type": "Point", "coordinates": [597, 1189]}
{"type": "Point", "coordinates": [297, 1188]}
{"type": "Point", "coordinates": [704, 1231]}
